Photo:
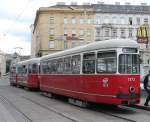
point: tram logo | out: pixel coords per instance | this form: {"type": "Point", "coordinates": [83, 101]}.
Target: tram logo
{"type": "Point", "coordinates": [105, 82]}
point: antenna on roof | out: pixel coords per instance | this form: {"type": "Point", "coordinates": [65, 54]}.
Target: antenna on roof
{"type": "Point", "coordinates": [86, 3]}
{"type": "Point", "coordinates": [74, 3]}
{"type": "Point", "coordinates": [60, 3]}
{"type": "Point", "coordinates": [144, 4]}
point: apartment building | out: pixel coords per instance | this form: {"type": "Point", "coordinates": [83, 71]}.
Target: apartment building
{"type": "Point", "coordinates": [61, 27]}
{"type": "Point", "coordinates": [124, 21]}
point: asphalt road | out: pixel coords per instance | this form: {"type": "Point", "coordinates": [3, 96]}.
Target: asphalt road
{"type": "Point", "coordinates": [21, 105]}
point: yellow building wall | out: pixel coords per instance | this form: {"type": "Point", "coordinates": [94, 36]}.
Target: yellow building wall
{"type": "Point", "coordinates": [43, 27]}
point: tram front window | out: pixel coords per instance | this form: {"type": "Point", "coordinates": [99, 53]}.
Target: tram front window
{"type": "Point", "coordinates": [129, 63]}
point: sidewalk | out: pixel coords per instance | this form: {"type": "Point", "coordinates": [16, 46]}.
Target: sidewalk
{"type": "Point", "coordinates": [142, 101]}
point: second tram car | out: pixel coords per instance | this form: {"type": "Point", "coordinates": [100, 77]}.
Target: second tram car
{"type": "Point", "coordinates": [101, 72]}
{"type": "Point", "coordinates": [28, 71]}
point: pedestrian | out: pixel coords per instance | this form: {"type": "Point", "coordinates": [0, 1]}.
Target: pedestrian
{"type": "Point", "coordinates": [147, 87]}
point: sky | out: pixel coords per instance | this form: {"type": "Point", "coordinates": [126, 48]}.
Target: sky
{"type": "Point", "coordinates": [16, 16]}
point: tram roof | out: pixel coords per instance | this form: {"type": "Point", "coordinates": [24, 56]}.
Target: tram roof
{"type": "Point", "coordinates": [106, 44]}
{"type": "Point", "coordinates": [32, 60]}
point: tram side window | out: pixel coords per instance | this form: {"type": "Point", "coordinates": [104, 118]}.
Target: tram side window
{"type": "Point", "coordinates": [106, 62]}
{"type": "Point", "coordinates": [67, 65]}
{"type": "Point", "coordinates": [60, 66]}
{"type": "Point", "coordinates": [89, 63]}
{"type": "Point", "coordinates": [13, 69]}
{"type": "Point", "coordinates": [24, 69]}
{"type": "Point", "coordinates": [76, 63]}
{"type": "Point", "coordinates": [45, 67]}
{"type": "Point", "coordinates": [53, 66]}
{"type": "Point", "coordinates": [34, 68]}
{"type": "Point", "coordinates": [20, 70]}
{"type": "Point", "coordinates": [29, 68]}
{"type": "Point", "coordinates": [129, 63]}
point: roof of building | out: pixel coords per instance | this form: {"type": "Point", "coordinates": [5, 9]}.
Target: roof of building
{"type": "Point", "coordinates": [124, 9]}
{"type": "Point", "coordinates": [108, 8]}
{"type": "Point", "coordinates": [99, 8]}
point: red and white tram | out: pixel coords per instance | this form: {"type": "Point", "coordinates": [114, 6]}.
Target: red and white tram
{"type": "Point", "coordinates": [27, 75]}
{"type": "Point", "coordinates": [13, 75]}
{"type": "Point", "coordinates": [101, 72]}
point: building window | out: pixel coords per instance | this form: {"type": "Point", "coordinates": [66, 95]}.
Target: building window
{"type": "Point", "coordinates": [51, 31]}
{"type": "Point", "coordinates": [106, 20]}
{"type": "Point", "coordinates": [89, 32]}
{"type": "Point", "coordinates": [65, 20]}
{"type": "Point", "coordinates": [130, 32]}
{"type": "Point", "coordinates": [74, 43]}
{"type": "Point", "coordinates": [114, 20]}
{"type": "Point", "coordinates": [146, 21]}
{"type": "Point", "coordinates": [114, 33]}
{"type": "Point", "coordinates": [130, 21]}
{"type": "Point", "coordinates": [97, 32]}
{"type": "Point", "coordinates": [122, 33]}
{"type": "Point", "coordinates": [65, 32]}
{"type": "Point", "coordinates": [98, 20]}
{"type": "Point", "coordinates": [51, 44]}
{"type": "Point", "coordinates": [122, 20]}
{"type": "Point", "coordinates": [138, 20]}
{"type": "Point", "coordinates": [81, 32]}
{"type": "Point", "coordinates": [73, 32]}
{"type": "Point", "coordinates": [82, 43]}
{"type": "Point", "coordinates": [51, 20]}
{"type": "Point", "coordinates": [106, 32]}
{"type": "Point", "coordinates": [88, 21]}
{"type": "Point", "coordinates": [73, 20]}
{"type": "Point", "coordinates": [65, 44]}
{"type": "Point", "coordinates": [81, 21]}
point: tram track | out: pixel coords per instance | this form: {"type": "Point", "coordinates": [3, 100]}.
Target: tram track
{"type": "Point", "coordinates": [53, 110]}
{"type": "Point", "coordinates": [115, 113]}
{"type": "Point", "coordinates": [75, 120]}
{"type": "Point", "coordinates": [8, 104]}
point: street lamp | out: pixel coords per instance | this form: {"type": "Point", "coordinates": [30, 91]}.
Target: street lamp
{"type": "Point", "coordinates": [17, 54]}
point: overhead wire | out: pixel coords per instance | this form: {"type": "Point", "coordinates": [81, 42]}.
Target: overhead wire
{"type": "Point", "coordinates": [17, 17]}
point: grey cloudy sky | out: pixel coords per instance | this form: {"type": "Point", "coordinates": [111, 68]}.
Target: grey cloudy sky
{"type": "Point", "coordinates": [16, 16]}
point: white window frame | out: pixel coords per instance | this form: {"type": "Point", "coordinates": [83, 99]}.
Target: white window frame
{"type": "Point", "coordinates": [81, 21]}
{"type": "Point", "coordinates": [51, 44]}
{"type": "Point", "coordinates": [65, 20]}
{"type": "Point", "coordinates": [73, 20]}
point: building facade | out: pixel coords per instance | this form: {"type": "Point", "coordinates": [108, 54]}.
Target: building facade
{"type": "Point", "coordinates": [124, 21]}
{"type": "Point", "coordinates": [63, 26]}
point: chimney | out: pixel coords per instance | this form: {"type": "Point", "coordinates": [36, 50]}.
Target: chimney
{"type": "Point", "coordinates": [127, 3]}
{"type": "Point", "coordinates": [86, 4]}
{"type": "Point", "coordinates": [60, 3]}
{"type": "Point", "coordinates": [74, 3]}
{"type": "Point", "coordinates": [117, 3]}
{"type": "Point", "coordinates": [144, 4]}
{"type": "Point", "coordinates": [99, 2]}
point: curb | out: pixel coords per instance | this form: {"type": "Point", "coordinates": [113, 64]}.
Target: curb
{"type": "Point", "coordinates": [141, 107]}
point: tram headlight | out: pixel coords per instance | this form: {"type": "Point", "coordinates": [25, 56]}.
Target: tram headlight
{"type": "Point", "coordinates": [131, 89]}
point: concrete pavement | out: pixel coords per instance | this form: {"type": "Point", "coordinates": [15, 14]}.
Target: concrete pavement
{"type": "Point", "coordinates": [5, 116]}
{"type": "Point", "coordinates": [142, 101]}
